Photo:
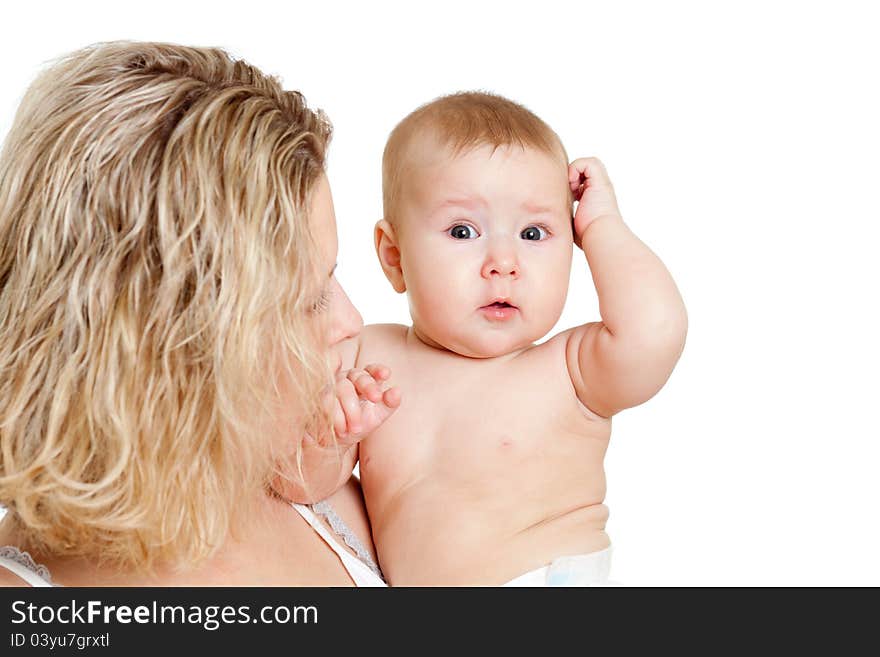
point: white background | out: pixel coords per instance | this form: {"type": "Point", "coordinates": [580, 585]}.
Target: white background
{"type": "Point", "coordinates": [744, 146]}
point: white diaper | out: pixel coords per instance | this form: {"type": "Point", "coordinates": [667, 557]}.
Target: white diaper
{"type": "Point", "coordinates": [578, 570]}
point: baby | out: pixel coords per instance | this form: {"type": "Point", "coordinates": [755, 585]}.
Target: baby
{"type": "Point", "coordinates": [491, 471]}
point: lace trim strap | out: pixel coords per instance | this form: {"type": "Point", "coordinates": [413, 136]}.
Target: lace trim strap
{"type": "Point", "coordinates": [343, 531]}
{"type": "Point", "coordinates": [13, 554]}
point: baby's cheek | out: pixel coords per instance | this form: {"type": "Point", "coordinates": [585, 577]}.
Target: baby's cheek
{"type": "Point", "coordinates": [432, 301]}
{"type": "Point", "coordinates": [552, 295]}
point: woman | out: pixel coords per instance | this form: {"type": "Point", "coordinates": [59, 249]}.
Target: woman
{"type": "Point", "coordinates": [169, 324]}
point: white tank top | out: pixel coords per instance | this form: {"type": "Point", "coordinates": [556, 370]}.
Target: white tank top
{"type": "Point", "coordinates": [21, 564]}
{"type": "Point", "coordinates": [361, 572]}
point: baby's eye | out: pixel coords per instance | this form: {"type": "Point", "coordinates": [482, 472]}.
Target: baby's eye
{"type": "Point", "coordinates": [462, 232]}
{"type": "Point", "coordinates": [534, 233]}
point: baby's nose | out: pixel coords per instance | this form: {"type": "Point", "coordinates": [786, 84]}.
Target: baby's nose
{"type": "Point", "coordinates": [501, 264]}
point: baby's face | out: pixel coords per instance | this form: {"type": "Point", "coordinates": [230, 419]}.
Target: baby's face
{"type": "Point", "coordinates": [486, 245]}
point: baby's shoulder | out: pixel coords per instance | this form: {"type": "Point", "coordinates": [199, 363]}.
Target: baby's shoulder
{"type": "Point", "coordinates": [550, 361]}
{"type": "Point", "coordinates": [543, 362]}
{"type": "Point", "coordinates": [379, 340]}
{"type": "Point", "coordinates": [551, 352]}
{"type": "Point", "coordinates": [384, 333]}
{"type": "Point", "coordinates": [565, 344]}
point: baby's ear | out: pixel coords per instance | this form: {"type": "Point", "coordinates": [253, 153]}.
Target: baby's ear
{"type": "Point", "coordinates": [385, 239]}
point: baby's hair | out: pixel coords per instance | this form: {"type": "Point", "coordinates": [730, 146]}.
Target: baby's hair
{"type": "Point", "coordinates": [157, 264]}
{"type": "Point", "coordinates": [463, 121]}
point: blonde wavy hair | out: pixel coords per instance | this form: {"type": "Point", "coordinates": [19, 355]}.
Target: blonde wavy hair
{"type": "Point", "coordinates": [156, 265]}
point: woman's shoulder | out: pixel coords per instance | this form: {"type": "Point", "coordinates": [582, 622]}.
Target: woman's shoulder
{"type": "Point", "coordinates": [8, 580]}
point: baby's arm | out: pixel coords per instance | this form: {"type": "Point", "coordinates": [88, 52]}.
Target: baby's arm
{"type": "Point", "coordinates": [626, 358]}
{"type": "Point", "coordinates": [359, 405]}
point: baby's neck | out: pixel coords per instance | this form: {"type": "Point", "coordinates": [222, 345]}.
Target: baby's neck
{"type": "Point", "coordinates": [414, 336]}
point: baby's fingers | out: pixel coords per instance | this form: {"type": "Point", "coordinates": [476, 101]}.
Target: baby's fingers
{"type": "Point", "coordinates": [350, 403]}
{"type": "Point", "coordinates": [339, 425]}
{"type": "Point", "coordinates": [378, 372]}
{"type": "Point", "coordinates": [391, 397]}
{"type": "Point", "coordinates": [375, 414]}
{"type": "Point", "coordinates": [586, 172]}
{"type": "Point", "coordinates": [365, 385]}
{"type": "Point", "coordinates": [576, 174]}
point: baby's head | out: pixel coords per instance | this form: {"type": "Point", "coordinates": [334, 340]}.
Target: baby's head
{"type": "Point", "coordinates": [477, 226]}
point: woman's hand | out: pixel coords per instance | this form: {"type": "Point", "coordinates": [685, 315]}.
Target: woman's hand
{"type": "Point", "coordinates": [362, 402]}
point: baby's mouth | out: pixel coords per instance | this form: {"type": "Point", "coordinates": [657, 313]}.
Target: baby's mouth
{"type": "Point", "coordinates": [499, 311]}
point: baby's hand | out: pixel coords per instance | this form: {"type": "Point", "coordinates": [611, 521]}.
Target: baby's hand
{"type": "Point", "coordinates": [361, 403]}
{"type": "Point", "coordinates": [592, 189]}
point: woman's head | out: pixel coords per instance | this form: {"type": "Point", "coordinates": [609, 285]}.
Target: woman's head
{"type": "Point", "coordinates": [158, 267]}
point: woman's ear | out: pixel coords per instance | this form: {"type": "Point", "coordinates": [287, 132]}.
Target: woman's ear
{"type": "Point", "coordinates": [385, 239]}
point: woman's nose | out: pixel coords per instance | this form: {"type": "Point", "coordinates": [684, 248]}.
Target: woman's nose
{"type": "Point", "coordinates": [347, 321]}
{"type": "Point", "coordinates": [501, 261]}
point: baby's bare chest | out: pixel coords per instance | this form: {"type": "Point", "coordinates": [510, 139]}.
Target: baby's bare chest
{"type": "Point", "coordinates": [475, 421]}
